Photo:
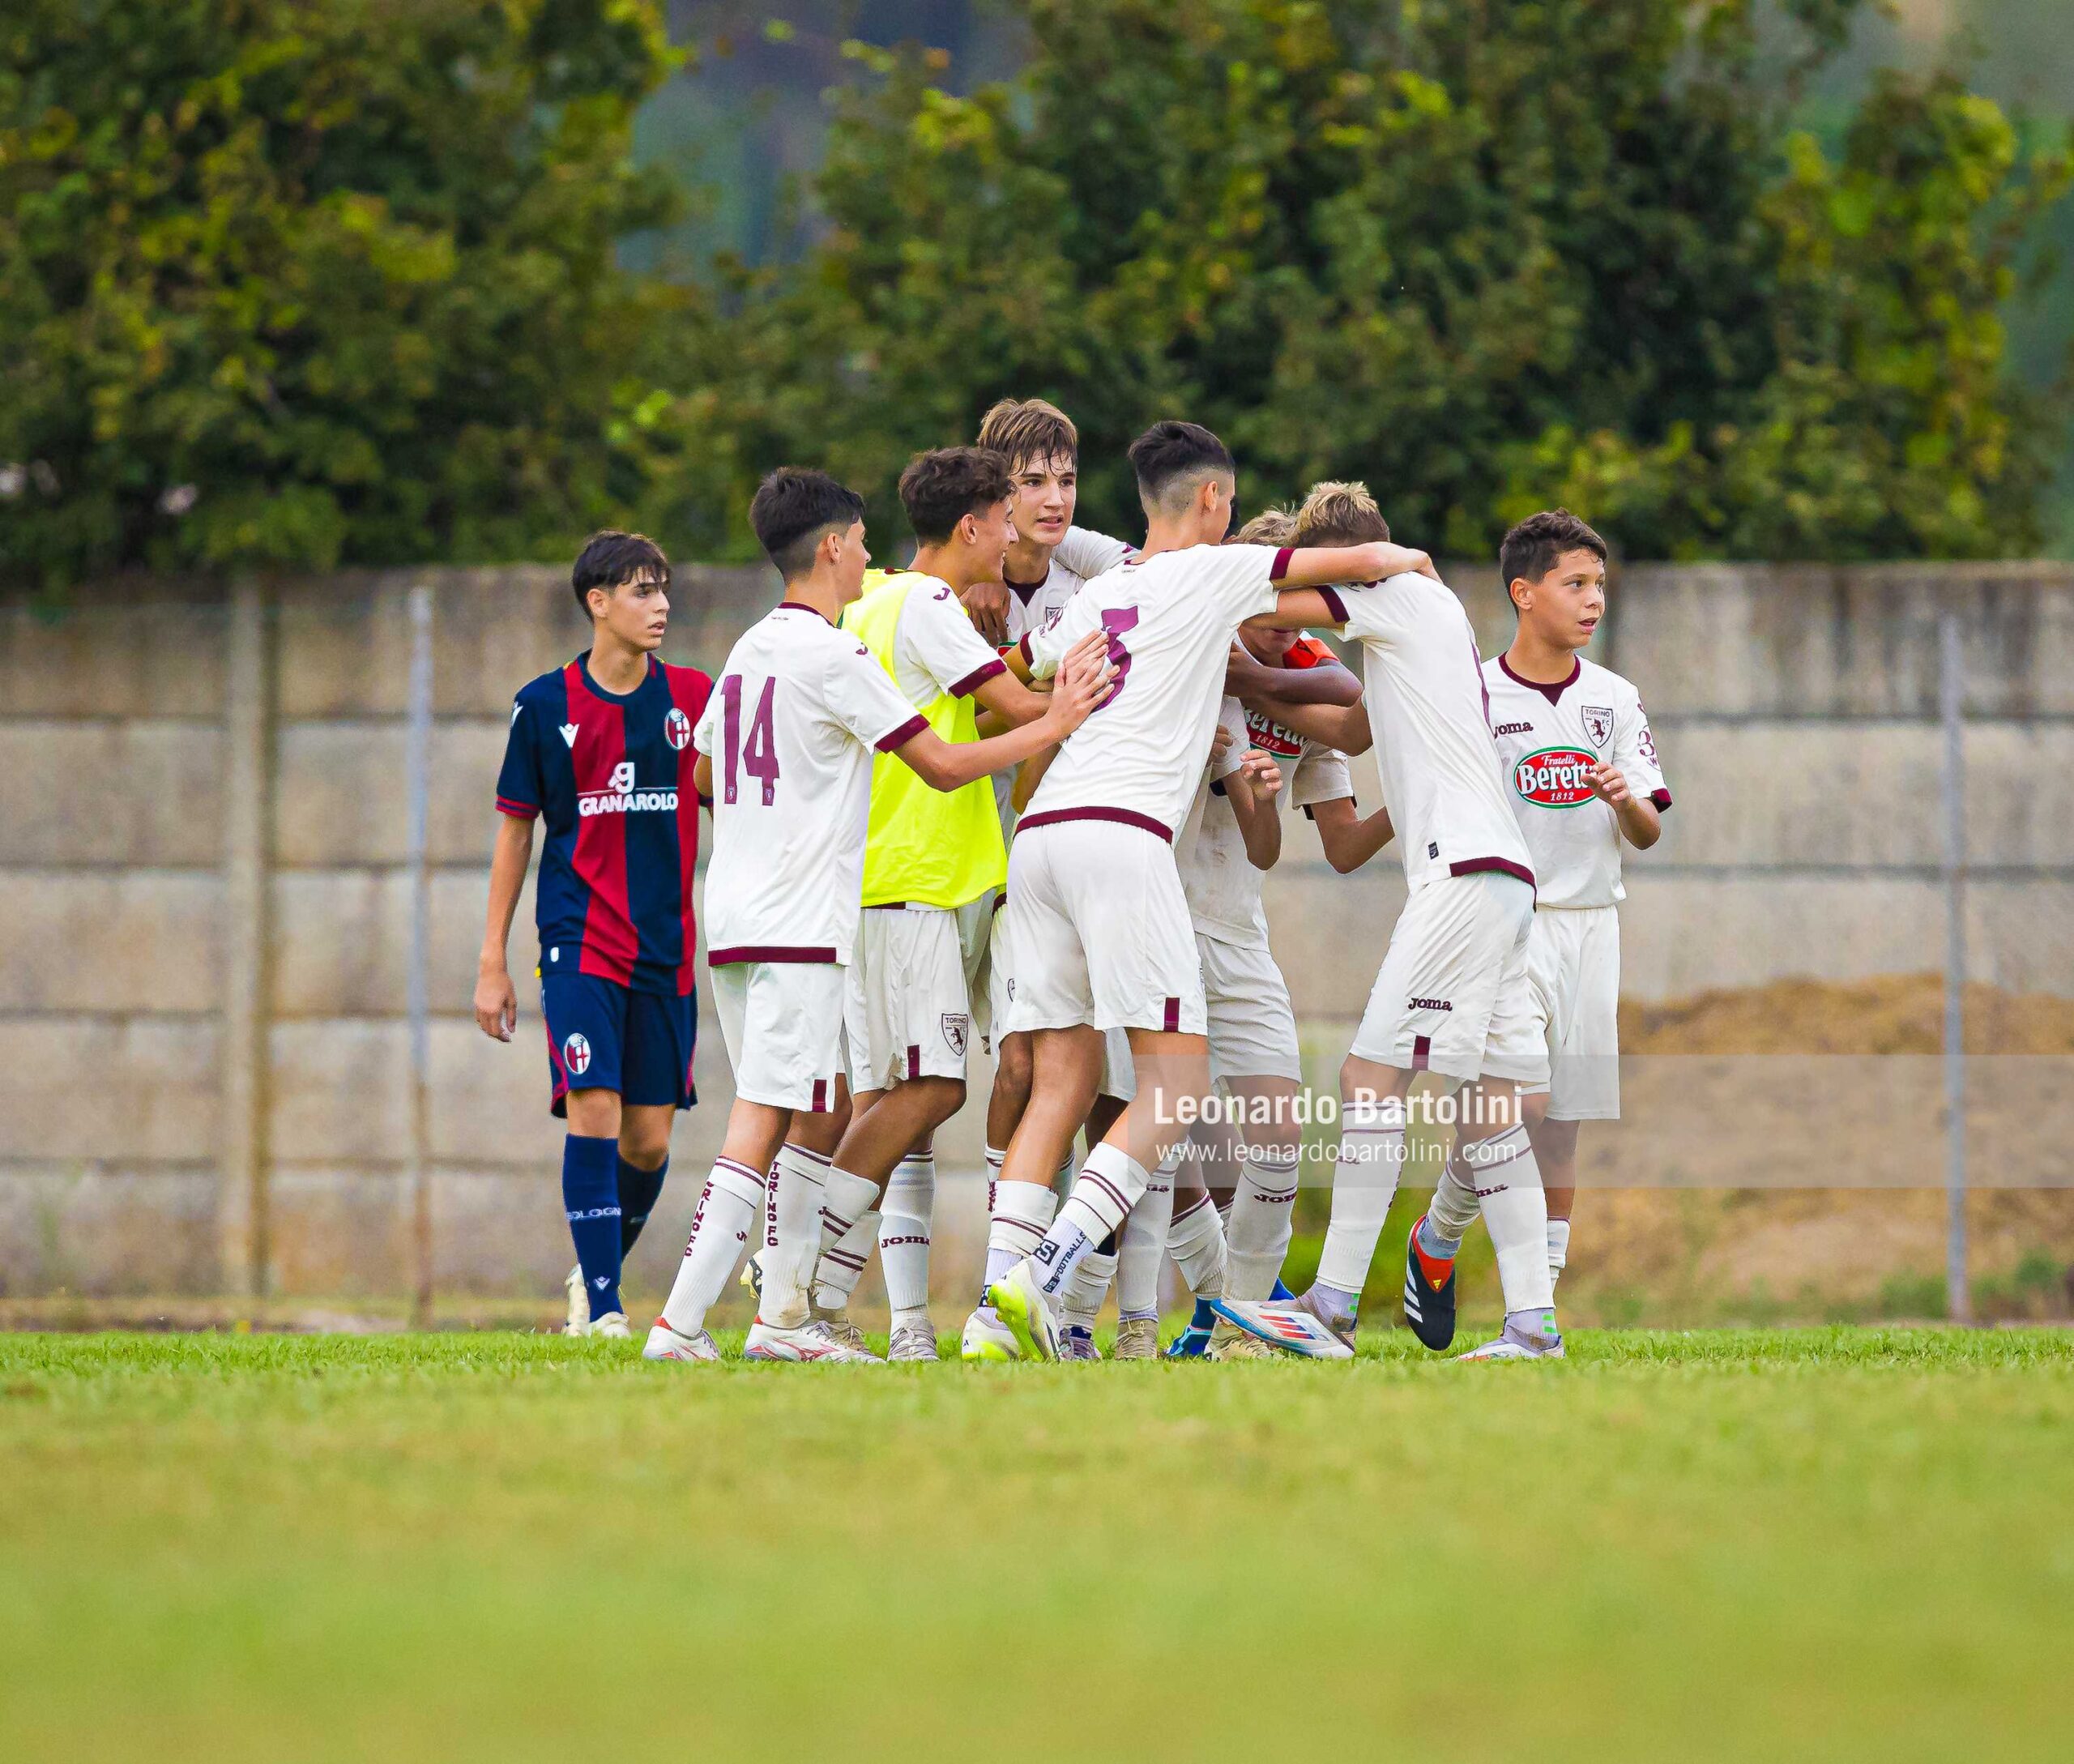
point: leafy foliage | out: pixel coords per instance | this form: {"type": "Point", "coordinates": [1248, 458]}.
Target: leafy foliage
{"type": "Point", "coordinates": [300, 282]}
{"type": "Point", "coordinates": [1485, 256]}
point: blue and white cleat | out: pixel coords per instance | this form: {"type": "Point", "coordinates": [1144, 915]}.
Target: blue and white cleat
{"type": "Point", "coordinates": [1191, 1343]}
{"type": "Point", "coordinates": [1080, 1344]}
{"type": "Point", "coordinates": [1281, 1295]}
{"type": "Point", "coordinates": [1287, 1326]}
{"type": "Point", "coordinates": [1020, 1303]}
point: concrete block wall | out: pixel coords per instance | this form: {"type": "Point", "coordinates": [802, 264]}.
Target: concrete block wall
{"type": "Point", "coordinates": [1794, 707]}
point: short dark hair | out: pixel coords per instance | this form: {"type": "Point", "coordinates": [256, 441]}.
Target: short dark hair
{"type": "Point", "coordinates": [1168, 452]}
{"type": "Point", "coordinates": [940, 487]}
{"type": "Point", "coordinates": [1028, 430]}
{"type": "Point", "coordinates": [611, 558]}
{"type": "Point", "coordinates": [794, 510]}
{"type": "Point", "coordinates": [1533, 548]}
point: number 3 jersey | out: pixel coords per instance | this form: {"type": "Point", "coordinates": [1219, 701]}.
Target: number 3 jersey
{"type": "Point", "coordinates": [609, 774]}
{"type": "Point", "coordinates": [1547, 737]}
{"type": "Point", "coordinates": [799, 711]}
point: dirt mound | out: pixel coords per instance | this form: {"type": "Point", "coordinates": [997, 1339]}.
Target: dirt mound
{"type": "Point", "coordinates": [1889, 1014]}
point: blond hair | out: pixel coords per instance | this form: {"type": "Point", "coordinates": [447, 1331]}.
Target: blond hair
{"type": "Point", "coordinates": [1027, 429]}
{"type": "Point", "coordinates": [1270, 526]}
{"type": "Point", "coordinates": [1336, 514]}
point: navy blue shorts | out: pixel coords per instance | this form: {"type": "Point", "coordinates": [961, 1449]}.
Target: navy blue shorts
{"type": "Point", "coordinates": [602, 1035]}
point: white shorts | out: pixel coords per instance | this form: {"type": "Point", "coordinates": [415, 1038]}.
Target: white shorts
{"type": "Point", "coordinates": [1573, 976]}
{"type": "Point", "coordinates": [1099, 930]}
{"type": "Point", "coordinates": [1252, 1026]}
{"type": "Point", "coordinates": [782, 1022]}
{"type": "Point", "coordinates": [907, 1002]}
{"type": "Point", "coordinates": [1453, 996]}
{"type": "Point", "coordinates": [1119, 1073]}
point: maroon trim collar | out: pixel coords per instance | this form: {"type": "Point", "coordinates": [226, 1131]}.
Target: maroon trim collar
{"type": "Point", "coordinates": [801, 606]}
{"type": "Point", "coordinates": [1553, 693]}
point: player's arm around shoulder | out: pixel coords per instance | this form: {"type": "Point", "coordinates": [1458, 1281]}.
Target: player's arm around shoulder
{"type": "Point", "coordinates": [1082, 682]}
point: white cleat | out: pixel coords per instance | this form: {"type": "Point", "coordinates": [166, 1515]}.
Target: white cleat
{"type": "Point", "coordinates": [987, 1338]}
{"type": "Point", "coordinates": [579, 1304]}
{"type": "Point", "coordinates": [612, 1326]}
{"type": "Point", "coordinates": [811, 1340]}
{"type": "Point", "coordinates": [1287, 1324]}
{"type": "Point", "coordinates": [664, 1342]}
{"type": "Point", "coordinates": [912, 1341]}
{"type": "Point", "coordinates": [840, 1326]}
{"type": "Point", "coordinates": [1137, 1338]}
{"type": "Point", "coordinates": [752, 1274]}
{"type": "Point", "coordinates": [1079, 1343]}
{"type": "Point", "coordinates": [1227, 1341]}
{"type": "Point", "coordinates": [1020, 1302]}
{"type": "Point", "coordinates": [1509, 1346]}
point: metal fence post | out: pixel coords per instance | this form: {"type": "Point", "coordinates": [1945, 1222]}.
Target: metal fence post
{"type": "Point", "coordinates": [1951, 707]}
{"type": "Point", "coordinates": [418, 769]}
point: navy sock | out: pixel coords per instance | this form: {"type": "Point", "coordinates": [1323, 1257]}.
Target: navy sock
{"type": "Point", "coordinates": [589, 1195]}
{"type": "Point", "coordinates": [638, 1191]}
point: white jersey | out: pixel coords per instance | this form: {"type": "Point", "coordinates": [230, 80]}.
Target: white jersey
{"type": "Point", "coordinates": [937, 649]}
{"type": "Point", "coordinates": [790, 727]}
{"type": "Point", "coordinates": [1171, 619]}
{"type": "Point", "coordinates": [1222, 885]}
{"type": "Point", "coordinates": [1430, 715]}
{"type": "Point", "coordinates": [1546, 736]}
{"type": "Point", "coordinates": [1031, 606]}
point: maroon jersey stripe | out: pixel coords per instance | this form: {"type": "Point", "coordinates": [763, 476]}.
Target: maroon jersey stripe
{"type": "Point", "coordinates": [689, 689]}
{"type": "Point", "coordinates": [600, 860]}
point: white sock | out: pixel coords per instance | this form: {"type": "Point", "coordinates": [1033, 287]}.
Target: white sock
{"type": "Point", "coordinates": [903, 1237]}
{"type": "Point", "coordinates": [728, 1212]}
{"type": "Point", "coordinates": [1195, 1241]}
{"type": "Point", "coordinates": [1018, 1219]}
{"type": "Point", "coordinates": [1109, 1185]}
{"type": "Point", "coordinates": [1559, 1249]}
{"type": "Point", "coordinates": [1090, 1286]}
{"type": "Point", "coordinates": [1141, 1246]}
{"type": "Point", "coordinates": [1257, 1234]}
{"type": "Point", "coordinates": [791, 1236]}
{"type": "Point", "coordinates": [849, 1227]}
{"type": "Point", "coordinates": [1371, 1158]}
{"type": "Point", "coordinates": [1453, 1210]}
{"type": "Point", "coordinates": [1516, 1214]}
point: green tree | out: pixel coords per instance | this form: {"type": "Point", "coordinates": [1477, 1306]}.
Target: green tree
{"type": "Point", "coordinates": [1484, 255]}
{"type": "Point", "coordinates": [302, 282]}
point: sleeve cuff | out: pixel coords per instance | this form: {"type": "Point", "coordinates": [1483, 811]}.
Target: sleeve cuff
{"type": "Point", "coordinates": [1661, 798]}
{"type": "Point", "coordinates": [1280, 567]}
{"type": "Point", "coordinates": [901, 735]}
{"type": "Point", "coordinates": [519, 811]}
{"type": "Point", "coordinates": [1334, 606]}
{"type": "Point", "coordinates": [1022, 649]}
{"type": "Point", "coordinates": [977, 678]}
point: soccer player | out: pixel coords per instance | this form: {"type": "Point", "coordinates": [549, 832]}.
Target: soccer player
{"type": "Point", "coordinates": [933, 862]}
{"type": "Point", "coordinates": [1096, 915]}
{"type": "Point", "coordinates": [1044, 568]}
{"type": "Point", "coordinates": [1575, 745]}
{"type": "Point", "coordinates": [601, 750]}
{"type": "Point", "coordinates": [785, 747]}
{"type": "Point", "coordinates": [1450, 1018]}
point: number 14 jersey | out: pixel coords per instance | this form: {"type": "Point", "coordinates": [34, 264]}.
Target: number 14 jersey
{"type": "Point", "coordinates": [798, 712]}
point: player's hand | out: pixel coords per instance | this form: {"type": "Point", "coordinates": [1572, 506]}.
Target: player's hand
{"type": "Point", "coordinates": [1608, 785]}
{"type": "Point", "coordinates": [1083, 682]}
{"type": "Point", "coordinates": [1220, 745]}
{"type": "Point", "coordinates": [986, 603]}
{"type": "Point", "coordinates": [1244, 677]}
{"type": "Point", "coordinates": [497, 1004]}
{"type": "Point", "coordinates": [1261, 773]}
{"type": "Point", "coordinates": [1388, 560]}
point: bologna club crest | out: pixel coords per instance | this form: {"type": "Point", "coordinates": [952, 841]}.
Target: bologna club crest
{"type": "Point", "coordinates": [1598, 723]}
{"type": "Point", "coordinates": [576, 1055]}
{"type": "Point", "coordinates": [676, 730]}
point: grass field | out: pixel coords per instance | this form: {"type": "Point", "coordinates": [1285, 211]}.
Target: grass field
{"type": "Point", "coordinates": [1817, 1544]}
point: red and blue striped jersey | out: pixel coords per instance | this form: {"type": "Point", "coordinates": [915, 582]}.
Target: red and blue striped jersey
{"type": "Point", "coordinates": [609, 774]}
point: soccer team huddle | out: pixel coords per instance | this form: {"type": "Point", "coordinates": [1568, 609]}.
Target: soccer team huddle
{"type": "Point", "coordinates": [1023, 792]}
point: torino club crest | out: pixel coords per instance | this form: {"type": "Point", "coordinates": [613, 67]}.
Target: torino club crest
{"type": "Point", "coordinates": [1598, 723]}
